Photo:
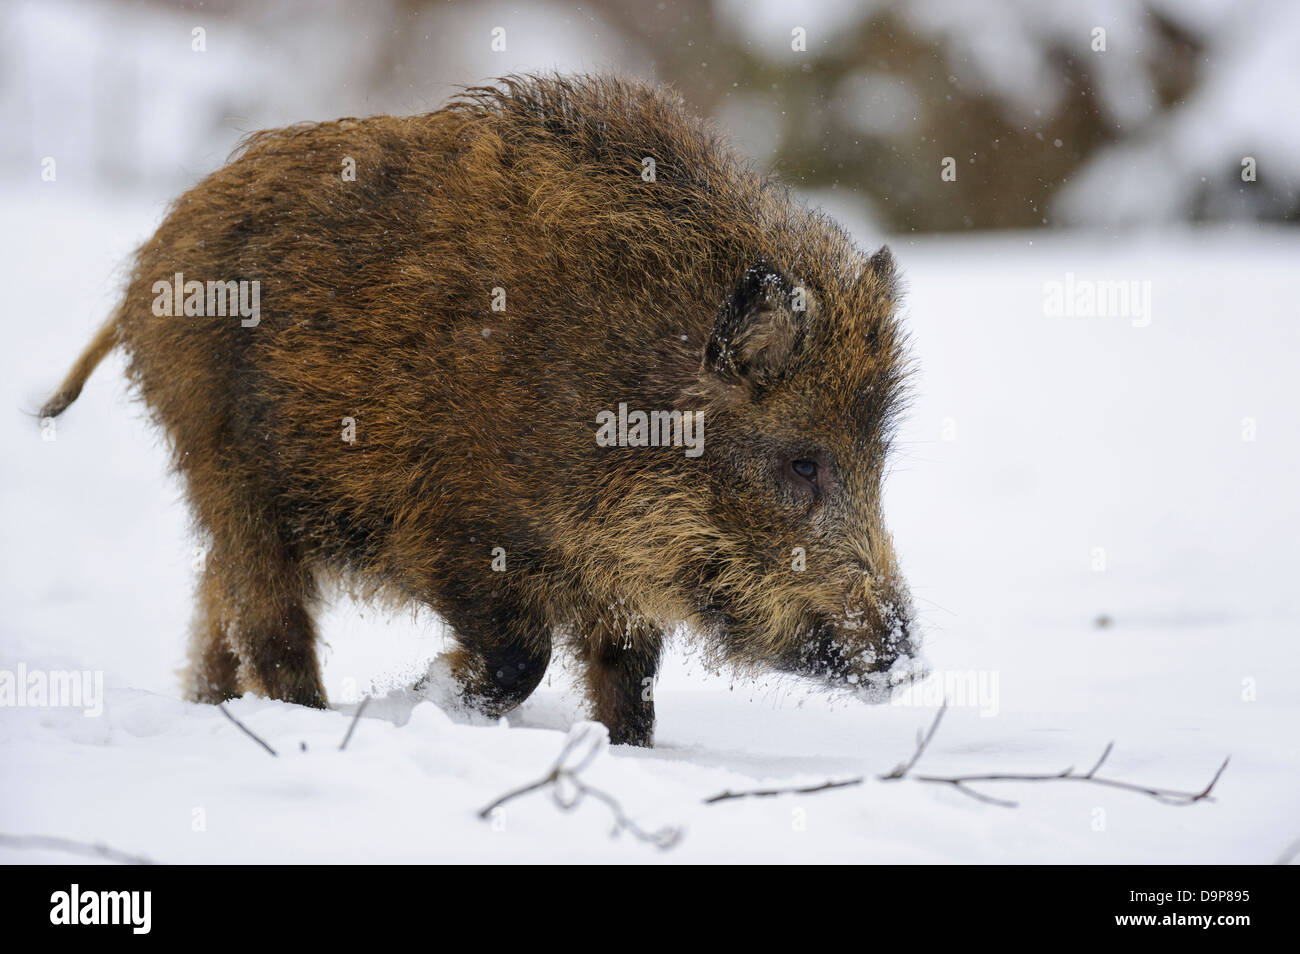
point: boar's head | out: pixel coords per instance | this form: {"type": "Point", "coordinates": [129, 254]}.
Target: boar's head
{"type": "Point", "coordinates": [802, 380]}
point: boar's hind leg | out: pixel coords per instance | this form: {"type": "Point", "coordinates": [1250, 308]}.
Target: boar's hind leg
{"type": "Point", "coordinates": [621, 660]}
{"type": "Point", "coordinates": [254, 632]}
{"type": "Point", "coordinates": [500, 659]}
{"type": "Point", "coordinates": [212, 673]}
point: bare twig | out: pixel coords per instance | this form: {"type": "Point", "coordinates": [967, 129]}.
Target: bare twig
{"type": "Point", "coordinates": [962, 782]}
{"type": "Point", "coordinates": [899, 771]}
{"type": "Point", "coordinates": [922, 743]}
{"type": "Point", "coordinates": [547, 779]}
{"type": "Point", "coordinates": [246, 730]}
{"type": "Point", "coordinates": [54, 843]}
{"type": "Point", "coordinates": [1105, 754]}
{"type": "Point", "coordinates": [356, 717]}
{"type": "Point", "coordinates": [767, 792]}
{"type": "Point", "coordinates": [561, 775]}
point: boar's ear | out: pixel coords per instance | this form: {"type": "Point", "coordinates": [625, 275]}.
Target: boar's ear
{"type": "Point", "coordinates": [882, 266]}
{"type": "Point", "coordinates": [760, 327]}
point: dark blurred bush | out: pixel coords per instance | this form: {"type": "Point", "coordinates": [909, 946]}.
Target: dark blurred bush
{"type": "Point", "coordinates": [1041, 126]}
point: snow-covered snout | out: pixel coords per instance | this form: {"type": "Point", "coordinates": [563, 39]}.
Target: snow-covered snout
{"type": "Point", "coordinates": [868, 645]}
{"type": "Point", "coordinates": [805, 377]}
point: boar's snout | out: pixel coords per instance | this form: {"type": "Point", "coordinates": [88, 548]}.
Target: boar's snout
{"type": "Point", "coordinates": [868, 650]}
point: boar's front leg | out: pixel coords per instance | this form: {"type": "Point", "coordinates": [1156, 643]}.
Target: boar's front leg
{"type": "Point", "coordinates": [620, 657]}
{"type": "Point", "coordinates": [501, 657]}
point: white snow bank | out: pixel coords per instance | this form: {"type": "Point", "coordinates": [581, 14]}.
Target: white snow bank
{"type": "Point", "coordinates": [1033, 441]}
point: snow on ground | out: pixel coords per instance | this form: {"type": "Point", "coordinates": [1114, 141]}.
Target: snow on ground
{"type": "Point", "coordinates": [1033, 441]}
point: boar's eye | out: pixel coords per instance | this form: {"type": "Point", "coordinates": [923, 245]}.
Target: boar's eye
{"type": "Point", "coordinates": [807, 469]}
{"type": "Point", "coordinates": [804, 472]}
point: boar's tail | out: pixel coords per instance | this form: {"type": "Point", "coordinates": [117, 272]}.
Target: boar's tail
{"type": "Point", "coordinates": [105, 340]}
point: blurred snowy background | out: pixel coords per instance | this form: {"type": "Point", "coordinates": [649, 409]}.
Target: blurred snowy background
{"type": "Point", "coordinates": [1050, 122]}
{"type": "Point", "coordinates": [1098, 514]}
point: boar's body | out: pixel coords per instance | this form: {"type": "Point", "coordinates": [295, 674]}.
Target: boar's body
{"type": "Point", "coordinates": [414, 407]}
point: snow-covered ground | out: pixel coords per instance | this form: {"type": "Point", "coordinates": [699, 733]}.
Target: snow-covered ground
{"type": "Point", "coordinates": [1054, 471]}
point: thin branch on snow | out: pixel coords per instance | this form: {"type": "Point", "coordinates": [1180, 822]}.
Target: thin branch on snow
{"type": "Point", "coordinates": [922, 743]}
{"type": "Point", "coordinates": [352, 727]}
{"type": "Point", "coordinates": [54, 843]}
{"type": "Point", "coordinates": [247, 731]}
{"type": "Point", "coordinates": [963, 782]}
{"type": "Point", "coordinates": [356, 717]}
{"type": "Point", "coordinates": [767, 792]}
{"type": "Point", "coordinates": [562, 775]}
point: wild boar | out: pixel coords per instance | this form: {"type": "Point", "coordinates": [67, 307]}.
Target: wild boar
{"type": "Point", "coordinates": [552, 361]}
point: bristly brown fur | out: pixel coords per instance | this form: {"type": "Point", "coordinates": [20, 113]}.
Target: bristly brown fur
{"type": "Point", "coordinates": [708, 289]}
